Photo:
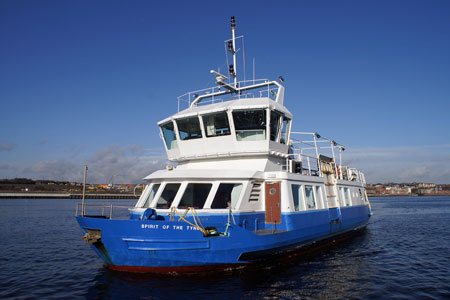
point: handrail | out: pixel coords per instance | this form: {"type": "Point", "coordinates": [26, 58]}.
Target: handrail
{"type": "Point", "coordinates": [307, 150]}
{"type": "Point", "coordinates": [103, 207]}
{"type": "Point", "coordinates": [222, 93]}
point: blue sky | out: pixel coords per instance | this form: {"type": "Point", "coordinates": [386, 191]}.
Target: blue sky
{"type": "Point", "coordinates": [86, 81]}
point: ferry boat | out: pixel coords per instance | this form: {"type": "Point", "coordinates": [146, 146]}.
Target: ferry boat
{"type": "Point", "coordinates": [243, 188]}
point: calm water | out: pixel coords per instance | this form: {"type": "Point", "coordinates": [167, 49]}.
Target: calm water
{"type": "Point", "coordinates": [403, 254]}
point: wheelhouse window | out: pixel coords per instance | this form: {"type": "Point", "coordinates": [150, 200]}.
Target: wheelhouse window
{"type": "Point", "coordinates": [227, 195]}
{"type": "Point", "coordinates": [216, 124]}
{"type": "Point", "coordinates": [195, 195]}
{"type": "Point", "coordinates": [189, 128]}
{"type": "Point", "coordinates": [297, 195]}
{"type": "Point", "coordinates": [274, 125]}
{"type": "Point", "coordinates": [151, 195]}
{"type": "Point", "coordinates": [250, 125]}
{"type": "Point", "coordinates": [169, 135]}
{"type": "Point", "coordinates": [284, 130]}
{"type": "Point", "coordinates": [310, 201]}
{"type": "Point", "coordinates": [167, 196]}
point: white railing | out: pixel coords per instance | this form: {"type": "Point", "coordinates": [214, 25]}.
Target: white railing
{"type": "Point", "coordinates": [259, 88]}
{"type": "Point", "coordinates": [106, 211]}
{"type": "Point", "coordinates": [308, 149]}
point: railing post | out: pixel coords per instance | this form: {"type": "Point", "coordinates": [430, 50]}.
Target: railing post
{"type": "Point", "coordinates": [317, 154]}
{"type": "Point", "coordinates": [309, 165]}
{"type": "Point", "coordinates": [110, 212]}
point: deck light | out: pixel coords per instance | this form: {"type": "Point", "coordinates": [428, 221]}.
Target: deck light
{"type": "Point", "coordinates": [317, 135]}
{"type": "Point", "coordinates": [233, 23]}
{"type": "Point", "coordinates": [281, 79]}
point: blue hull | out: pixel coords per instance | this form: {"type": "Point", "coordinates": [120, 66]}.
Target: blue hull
{"type": "Point", "coordinates": [171, 246]}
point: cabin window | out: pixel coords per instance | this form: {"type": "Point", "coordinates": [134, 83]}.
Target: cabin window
{"type": "Point", "coordinates": [167, 196]}
{"type": "Point", "coordinates": [216, 124]}
{"type": "Point", "coordinates": [347, 197]}
{"type": "Point", "coordinates": [274, 125]}
{"type": "Point", "coordinates": [297, 195]}
{"type": "Point", "coordinates": [169, 135]}
{"type": "Point", "coordinates": [227, 194]}
{"type": "Point", "coordinates": [284, 130]}
{"type": "Point", "coordinates": [151, 195]}
{"type": "Point", "coordinates": [319, 196]}
{"type": "Point", "coordinates": [250, 125]}
{"type": "Point", "coordinates": [309, 193]}
{"type": "Point", "coordinates": [189, 128]}
{"type": "Point", "coordinates": [195, 195]}
{"type": "Point", "coordinates": [341, 197]}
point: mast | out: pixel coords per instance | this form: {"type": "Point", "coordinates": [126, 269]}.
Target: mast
{"type": "Point", "coordinates": [232, 49]}
{"type": "Point", "coordinates": [83, 202]}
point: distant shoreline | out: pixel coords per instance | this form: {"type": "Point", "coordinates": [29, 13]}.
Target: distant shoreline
{"type": "Point", "coordinates": [26, 195]}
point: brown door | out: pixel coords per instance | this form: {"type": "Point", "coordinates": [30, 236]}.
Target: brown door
{"type": "Point", "coordinates": [273, 204]}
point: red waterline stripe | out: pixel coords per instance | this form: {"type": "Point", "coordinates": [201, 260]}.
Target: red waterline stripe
{"type": "Point", "coordinates": [181, 269]}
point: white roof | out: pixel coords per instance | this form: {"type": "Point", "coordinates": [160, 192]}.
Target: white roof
{"type": "Point", "coordinates": [204, 174]}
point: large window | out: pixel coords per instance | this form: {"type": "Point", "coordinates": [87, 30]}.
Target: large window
{"type": "Point", "coordinates": [169, 135]}
{"type": "Point", "coordinates": [227, 195]}
{"type": "Point", "coordinates": [297, 195]}
{"type": "Point", "coordinates": [167, 196]}
{"type": "Point", "coordinates": [189, 128]}
{"type": "Point", "coordinates": [250, 125]}
{"type": "Point", "coordinates": [151, 195]}
{"type": "Point", "coordinates": [347, 197]}
{"type": "Point", "coordinates": [309, 193]}
{"type": "Point", "coordinates": [284, 131]}
{"type": "Point", "coordinates": [319, 196]}
{"type": "Point", "coordinates": [216, 124]}
{"type": "Point", "coordinates": [195, 195]}
{"type": "Point", "coordinates": [274, 125]}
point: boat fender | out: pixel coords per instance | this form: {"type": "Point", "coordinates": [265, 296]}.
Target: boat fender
{"type": "Point", "coordinates": [148, 213]}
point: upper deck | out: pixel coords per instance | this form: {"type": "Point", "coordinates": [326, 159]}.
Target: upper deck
{"type": "Point", "coordinates": [221, 123]}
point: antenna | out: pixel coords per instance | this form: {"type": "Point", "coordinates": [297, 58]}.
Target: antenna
{"type": "Point", "coordinates": [253, 70]}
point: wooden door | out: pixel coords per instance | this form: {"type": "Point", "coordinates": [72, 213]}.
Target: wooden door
{"type": "Point", "coordinates": [273, 203]}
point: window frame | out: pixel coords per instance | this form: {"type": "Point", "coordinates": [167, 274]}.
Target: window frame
{"type": "Point", "coordinates": [172, 145]}
{"type": "Point", "coordinates": [301, 194]}
{"type": "Point", "coordinates": [279, 125]}
{"type": "Point", "coordinates": [217, 186]}
{"type": "Point", "coordinates": [313, 198]}
{"type": "Point", "coordinates": [160, 191]}
{"type": "Point", "coordinates": [178, 120]}
{"type": "Point", "coordinates": [266, 125]}
{"type": "Point", "coordinates": [185, 189]}
{"type": "Point", "coordinates": [286, 135]}
{"type": "Point", "coordinates": [203, 121]}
